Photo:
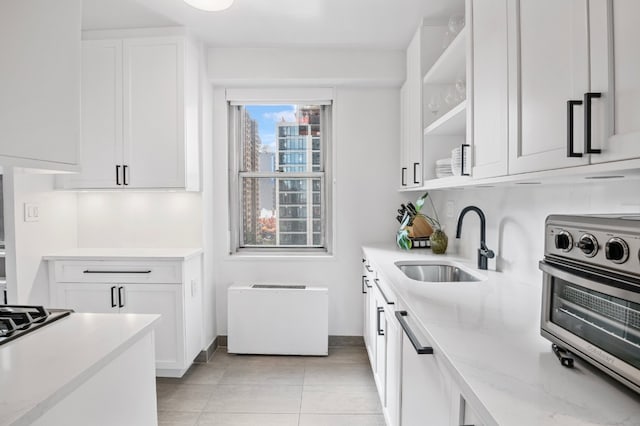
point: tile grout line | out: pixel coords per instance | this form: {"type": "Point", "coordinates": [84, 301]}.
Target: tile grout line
{"type": "Point", "coordinates": [304, 377]}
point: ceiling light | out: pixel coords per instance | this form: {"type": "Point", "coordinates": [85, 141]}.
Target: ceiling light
{"type": "Point", "coordinates": [210, 5]}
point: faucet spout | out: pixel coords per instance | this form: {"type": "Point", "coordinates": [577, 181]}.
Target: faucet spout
{"type": "Point", "coordinates": [483, 252]}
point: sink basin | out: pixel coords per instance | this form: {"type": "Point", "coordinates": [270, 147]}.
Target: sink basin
{"type": "Point", "coordinates": [437, 272]}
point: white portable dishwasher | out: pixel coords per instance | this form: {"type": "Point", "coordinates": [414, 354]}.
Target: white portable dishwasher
{"type": "Point", "coordinates": [278, 319]}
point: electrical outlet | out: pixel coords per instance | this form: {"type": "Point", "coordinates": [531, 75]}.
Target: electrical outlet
{"type": "Point", "coordinates": [31, 212]}
{"type": "Point", "coordinates": [451, 209]}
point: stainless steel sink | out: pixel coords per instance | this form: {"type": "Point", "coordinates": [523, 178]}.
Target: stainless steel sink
{"type": "Point", "coordinates": [433, 272]}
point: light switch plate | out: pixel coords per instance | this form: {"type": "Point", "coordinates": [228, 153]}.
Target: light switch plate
{"type": "Point", "coordinates": [31, 212]}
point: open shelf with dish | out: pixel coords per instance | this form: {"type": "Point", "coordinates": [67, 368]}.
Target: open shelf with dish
{"type": "Point", "coordinates": [452, 123]}
{"type": "Point", "coordinates": [445, 107]}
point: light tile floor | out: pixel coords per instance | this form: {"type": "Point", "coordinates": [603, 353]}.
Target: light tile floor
{"type": "Point", "coordinates": [249, 390]}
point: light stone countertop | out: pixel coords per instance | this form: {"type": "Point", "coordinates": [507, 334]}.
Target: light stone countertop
{"type": "Point", "coordinates": [488, 335]}
{"type": "Point", "coordinates": [40, 369]}
{"type": "Point", "coordinates": [124, 254]}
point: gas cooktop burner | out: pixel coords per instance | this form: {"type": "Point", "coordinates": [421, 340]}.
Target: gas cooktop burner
{"type": "Point", "coordinates": [18, 320]}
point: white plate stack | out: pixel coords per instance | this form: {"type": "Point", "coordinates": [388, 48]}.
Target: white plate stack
{"type": "Point", "coordinates": [443, 168]}
{"type": "Point", "coordinates": [456, 161]}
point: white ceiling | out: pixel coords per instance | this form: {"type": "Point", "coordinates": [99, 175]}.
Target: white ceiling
{"type": "Point", "coordinates": [279, 23]}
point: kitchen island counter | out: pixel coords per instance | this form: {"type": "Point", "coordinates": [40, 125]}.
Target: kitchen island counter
{"type": "Point", "coordinates": [73, 362]}
{"type": "Point", "coordinates": [487, 335]}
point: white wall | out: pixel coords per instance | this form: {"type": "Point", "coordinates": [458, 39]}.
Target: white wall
{"type": "Point", "coordinates": [365, 198]}
{"type": "Point", "coordinates": [305, 67]}
{"type": "Point", "coordinates": [516, 214]}
{"type": "Point", "coordinates": [55, 230]}
{"type": "Point", "coordinates": [139, 219]}
{"type": "Point", "coordinates": [209, 205]}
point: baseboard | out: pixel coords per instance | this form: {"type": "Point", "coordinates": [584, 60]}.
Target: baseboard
{"type": "Point", "coordinates": [205, 355]}
{"type": "Point", "coordinates": [356, 341]}
{"type": "Point", "coordinates": [334, 341]}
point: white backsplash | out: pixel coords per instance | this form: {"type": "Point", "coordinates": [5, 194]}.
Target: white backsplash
{"type": "Point", "coordinates": [516, 214]}
{"type": "Point", "coordinates": [139, 219]}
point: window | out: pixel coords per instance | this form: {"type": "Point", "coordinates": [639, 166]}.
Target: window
{"type": "Point", "coordinates": [279, 192]}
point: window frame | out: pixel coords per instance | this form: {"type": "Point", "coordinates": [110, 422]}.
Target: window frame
{"type": "Point", "coordinates": [242, 97]}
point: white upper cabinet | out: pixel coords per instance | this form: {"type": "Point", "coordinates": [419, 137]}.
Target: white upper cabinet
{"type": "Point", "coordinates": [615, 64]}
{"type": "Point", "coordinates": [101, 115]}
{"type": "Point", "coordinates": [551, 86]}
{"type": "Point", "coordinates": [548, 66]}
{"type": "Point", "coordinates": [411, 100]}
{"type": "Point", "coordinates": [140, 114]}
{"type": "Point", "coordinates": [573, 83]}
{"type": "Point", "coordinates": [490, 88]}
{"type": "Point", "coordinates": [154, 112]}
{"type": "Point", "coordinates": [40, 84]}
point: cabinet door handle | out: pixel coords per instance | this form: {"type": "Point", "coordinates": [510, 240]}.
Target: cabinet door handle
{"type": "Point", "coordinates": [386, 299]}
{"type": "Point", "coordinates": [587, 123]}
{"type": "Point", "coordinates": [113, 297]}
{"type": "Point", "coordinates": [421, 350]}
{"type": "Point", "coordinates": [118, 175]}
{"type": "Point", "coordinates": [463, 149]}
{"type": "Point", "coordinates": [368, 267]}
{"type": "Point", "coordinates": [404, 170]}
{"type": "Point", "coordinates": [364, 278]}
{"type": "Point", "coordinates": [570, 105]}
{"type": "Point", "coordinates": [89, 271]}
{"type": "Point", "coordinates": [124, 175]}
{"type": "Point", "coordinates": [415, 165]}
{"type": "Point", "coordinates": [120, 297]}
{"type": "Point", "coordinates": [378, 322]}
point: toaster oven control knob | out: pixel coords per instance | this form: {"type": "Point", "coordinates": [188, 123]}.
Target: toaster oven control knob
{"type": "Point", "coordinates": [564, 241]}
{"type": "Point", "coordinates": [616, 250]}
{"type": "Point", "coordinates": [588, 244]}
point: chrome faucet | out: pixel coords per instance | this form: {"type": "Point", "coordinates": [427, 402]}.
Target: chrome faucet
{"type": "Point", "coordinates": [483, 252]}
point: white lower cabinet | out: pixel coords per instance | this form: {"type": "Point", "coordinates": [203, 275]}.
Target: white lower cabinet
{"type": "Point", "coordinates": [468, 416]}
{"type": "Point", "coordinates": [429, 395]}
{"type": "Point", "coordinates": [426, 388]}
{"type": "Point", "coordinates": [125, 287]}
{"type": "Point", "coordinates": [393, 334]}
{"type": "Point", "coordinates": [382, 337]}
{"type": "Point", "coordinates": [380, 370]}
{"type": "Point", "coordinates": [415, 387]}
{"type": "Point", "coordinates": [368, 331]}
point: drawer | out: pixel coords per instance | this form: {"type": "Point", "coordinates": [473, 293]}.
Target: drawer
{"type": "Point", "coordinates": [121, 272]}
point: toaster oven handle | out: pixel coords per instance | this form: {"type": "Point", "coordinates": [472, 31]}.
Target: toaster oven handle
{"type": "Point", "coordinates": [595, 281]}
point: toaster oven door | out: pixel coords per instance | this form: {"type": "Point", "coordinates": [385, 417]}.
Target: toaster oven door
{"type": "Point", "coordinates": [596, 316]}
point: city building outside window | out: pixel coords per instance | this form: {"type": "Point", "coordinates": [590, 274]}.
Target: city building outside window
{"type": "Point", "coordinates": [280, 195]}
